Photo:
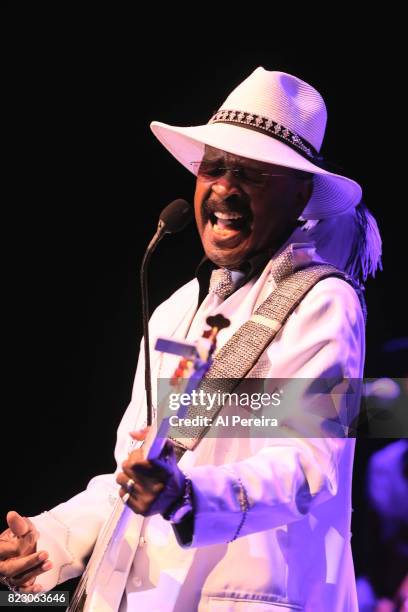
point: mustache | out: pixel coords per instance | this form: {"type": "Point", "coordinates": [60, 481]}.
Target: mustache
{"type": "Point", "coordinates": [236, 204]}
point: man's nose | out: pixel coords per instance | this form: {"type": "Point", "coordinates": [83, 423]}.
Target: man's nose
{"type": "Point", "coordinates": [226, 186]}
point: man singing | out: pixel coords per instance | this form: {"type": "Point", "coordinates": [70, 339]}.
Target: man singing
{"type": "Point", "coordinates": [252, 523]}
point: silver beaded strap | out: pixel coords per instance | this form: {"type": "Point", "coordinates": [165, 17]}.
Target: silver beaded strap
{"type": "Point", "coordinates": [269, 127]}
{"type": "Point", "coordinates": [6, 581]}
{"type": "Point", "coordinates": [237, 357]}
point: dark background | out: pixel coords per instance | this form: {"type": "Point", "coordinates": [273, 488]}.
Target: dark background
{"type": "Point", "coordinates": [88, 180]}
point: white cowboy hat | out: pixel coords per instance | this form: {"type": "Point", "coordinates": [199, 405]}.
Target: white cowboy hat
{"type": "Point", "coordinates": [271, 117]}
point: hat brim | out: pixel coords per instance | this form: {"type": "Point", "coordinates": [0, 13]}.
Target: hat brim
{"type": "Point", "coordinates": [333, 194]}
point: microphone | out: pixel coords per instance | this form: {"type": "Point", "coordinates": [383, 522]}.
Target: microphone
{"type": "Point", "coordinates": [172, 219]}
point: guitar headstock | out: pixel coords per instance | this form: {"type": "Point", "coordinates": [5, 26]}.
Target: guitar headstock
{"type": "Point", "coordinates": [216, 323]}
{"type": "Point", "coordinates": [205, 348]}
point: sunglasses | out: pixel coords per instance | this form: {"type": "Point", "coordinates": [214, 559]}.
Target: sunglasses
{"type": "Point", "coordinates": [252, 176]}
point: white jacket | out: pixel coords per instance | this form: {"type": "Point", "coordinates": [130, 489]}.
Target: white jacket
{"type": "Point", "coordinates": [287, 556]}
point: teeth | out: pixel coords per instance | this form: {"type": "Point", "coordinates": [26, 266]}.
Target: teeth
{"type": "Point", "coordinates": [227, 216]}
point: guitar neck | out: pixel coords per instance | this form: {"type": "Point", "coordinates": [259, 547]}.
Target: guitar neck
{"type": "Point", "coordinates": [112, 549]}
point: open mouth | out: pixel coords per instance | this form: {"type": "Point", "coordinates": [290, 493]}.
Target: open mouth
{"type": "Point", "coordinates": [228, 222]}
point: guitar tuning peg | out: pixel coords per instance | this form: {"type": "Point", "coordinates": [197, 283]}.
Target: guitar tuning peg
{"type": "Point", "coordinates": [218, 321]}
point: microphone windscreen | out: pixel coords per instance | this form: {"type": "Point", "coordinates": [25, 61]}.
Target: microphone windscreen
{"type": "Point", "coordinates": [176, 216]}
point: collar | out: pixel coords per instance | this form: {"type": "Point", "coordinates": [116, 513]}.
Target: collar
{"type": "Point", "coordinates": [290, 257]}
{"type": "Point", "coordinates": [248, 270]}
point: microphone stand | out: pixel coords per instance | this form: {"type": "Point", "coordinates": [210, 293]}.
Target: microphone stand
{"type": "Point", "coordinates": [172, 219]}
{"type": "Point", "coordinates": [145, 315]}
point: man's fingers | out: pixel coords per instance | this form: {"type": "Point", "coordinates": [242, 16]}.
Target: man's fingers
{"type": "Point", "coordinates": [143, 475]}
{"type": "Point", "coordinates": [135, 488]}
{"type": "Point", "coordinates": [25, 533]}
{"type": "Point", "coordinates": [141, 504]}
{"type": "Point", "coordinates": [28, 583]}
{"type": "Point", "coordinates": [144, 470]}
{"type": "Point", "coordinates": [19, 565]}
{"type": "Point", "coordinates": [35, 588]}
{"type": "Point", "coordinates": [140, 434]}
{"type": "Point", "coordinates": [156, 487]}
{"type": "Point", "coordinates": [31, 575]}
{"type": "Point", "coordinates": [17, 523]}
{"type": "Point", "coordinates": [8, 549]}
{"type": "Point", "coordinates": [129, 487]}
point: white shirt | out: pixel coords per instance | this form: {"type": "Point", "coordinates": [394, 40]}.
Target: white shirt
{"type": "Point", "coordinates": [284, 558]}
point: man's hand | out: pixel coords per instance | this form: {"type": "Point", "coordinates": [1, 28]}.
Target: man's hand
{"type": "Point", "coordinates": [153, 486]}
{"type": "Point", "coordinates": [20, 564]}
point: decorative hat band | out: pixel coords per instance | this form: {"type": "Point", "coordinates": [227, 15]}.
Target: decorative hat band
{"type": "Point", "coordinates": [267, 126]}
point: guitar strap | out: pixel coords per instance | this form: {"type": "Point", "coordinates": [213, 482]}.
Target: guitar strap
{"type": "Point", "coordinates": [239, 355]}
